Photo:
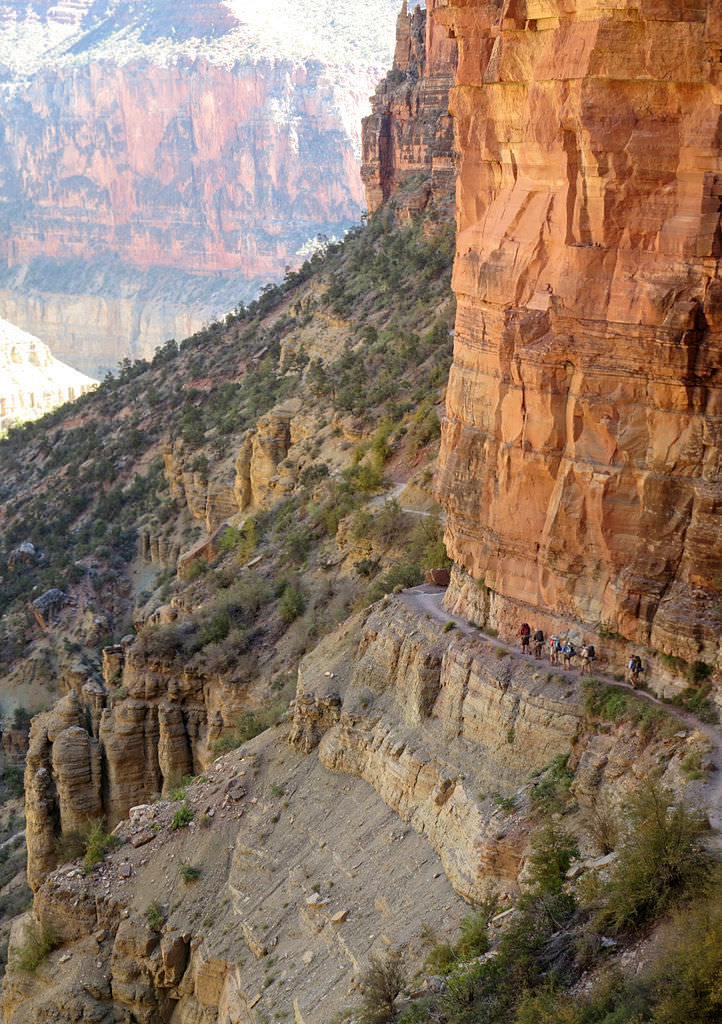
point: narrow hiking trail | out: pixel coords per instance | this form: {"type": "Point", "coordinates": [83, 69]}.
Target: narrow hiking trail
{"type": "Point", "coordinates": [427, 600]}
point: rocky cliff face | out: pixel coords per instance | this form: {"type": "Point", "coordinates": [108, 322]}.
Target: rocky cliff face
{"type": "Point", "coordinates": [580, 463]}
{"type": "Point", "coordinates": [355, 827]}
{"type": "Point", "coordinates": [32, 381]}
{"type": "Point", "coordinates": [114, 742]}
{"type": "Point", "coordinates": [410, 133]}
{"type": "Point", "coordinates": [171, 140]}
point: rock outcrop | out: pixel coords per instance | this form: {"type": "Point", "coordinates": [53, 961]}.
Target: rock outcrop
{"type": "Point", "coordinates": [289, 902]}
{"type": "Point", "coordinates": [409, 134]}
{"type": "Point", "coordinates": [443, 726]}
{"type": "Point", "coordinates": [32, 380]}
{"type": "Point", "coordinates": [404, 782]}
{"type": "Point", "coordinates": [172, 155]}
{"type": "Point", "coordinates": [580, 460]}
{"type": "Point", "coordinates": [110, 744]}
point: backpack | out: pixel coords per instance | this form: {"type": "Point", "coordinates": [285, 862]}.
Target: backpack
{"type": "Point", "coordinates": [558, 645]}
{"type": "Point", "coordinates": [525, 629]}
{"type": "Point", "coordinates": [637, 663]}
{"type": "Point", "coordinates": [591, 653]}
{"type": "Point", "coordinates": [569, 650]}
{"type": "Point", "coordinates": [539, 636]}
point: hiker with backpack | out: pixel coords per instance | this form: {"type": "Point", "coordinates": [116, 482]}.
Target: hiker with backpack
{"type": "Point", "coordinates": [555, 649]}
{"type": "Point", "coordinates": [525, 634]}
{"type": "Point", "coordinates": [538, 642]}
{"type": "Point", "coordinates": [568, 652]}
{"type": "Point", "coordinates": [634, 668]}
{"type": "Point", "coordinates": [587, 654]}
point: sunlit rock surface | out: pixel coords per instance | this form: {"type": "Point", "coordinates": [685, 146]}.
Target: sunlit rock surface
{"type": "Point", "coordinates": [580, 463]}
{"type": "Point", "coordinates": [32, 380]}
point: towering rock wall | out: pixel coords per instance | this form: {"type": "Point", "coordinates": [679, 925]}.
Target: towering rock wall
{"type": "Point", "coordinates": [580, 462]}
{"type": "Point", "coordinates": [410, 131]}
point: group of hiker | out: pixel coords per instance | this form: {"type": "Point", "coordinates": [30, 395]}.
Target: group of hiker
{"type": "Point", "coordinates": [562, 651]}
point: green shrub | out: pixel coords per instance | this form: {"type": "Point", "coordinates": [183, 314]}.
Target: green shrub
{"type": "Point", "coordinates": [662, 860]}
{"type": "Point", "coordinates": [551, 789]}
{"type": "Point", "coordinates": [14, 781]}
{"type": "Point", "coordinates": [402, 576]}
{"type": "Point", "coordinates": [688, 981]}
{"type": "Point", "coordinates": [195, 569]}
{"type": "Point", "coordinates": [441, 958]}
{"type": "Point", "coordinates": [188, 872]}
{"type": "Point", "coordinates": [182, 817]}
{"type": "Point", "coordinates": [154, 916]}
{"type": "Point", "coordinates": [381, 983]}
{"type": "Point", "coordinates": [215, 629]}
{"type": "Point", "coordinates": [697, 700]}
{"type": "Point", "coordinates": [38, 941]}
{"type": "Point", "coordinates": [504, 803]}
{"type": "Point", "coordinates": [474, 938]}
{"type": "Point", "coordinates": [292, 604]}
{"type": "Point", "coordinates": [97, 843]}
{"type": "Point", "coordinates": [250, 724]}
{"type": "Point", "coordinates": [698, 672]}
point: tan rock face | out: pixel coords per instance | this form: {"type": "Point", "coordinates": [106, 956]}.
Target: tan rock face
{"type": "Point", "coordinates": [95, 756]}
{"type": "Point", "coordinates": [409, 132]}
{"type": "Point", "coordinates": [580, 461]}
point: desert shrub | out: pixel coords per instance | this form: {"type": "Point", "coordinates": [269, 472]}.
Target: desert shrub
{"type": "Point", "coordinates": [14, 781]}
{"type": "Point", "coordinates": [613, 704]}
{"type": "Point", "coordinates": [601, 821]}
{"type": "Point", "coordinates": [474, 938]}
{"type": "Point", "coordinates": [697, 700]}
{"type": "Point", "coordinates": [688, 980]}
{"type": "Point", "coordinates": [381, 982]}
{"type": "Point", "coordinates": [69, 846]}
{"type": "Point", "coordinates": [698, 672]}
{"type": "Point", "coordinates": [97, 843]}
{"type": "Point", "coordinates": [189, 872]}
{"type": "Point", "coordinates": [553, 850]}
{"type": "Point", "coordinates": [154, 916]}
{"type": "Point", "coordinates": [21, 719]}
{"type": "Point", "coordinates": [182, 817]}
{"type": "Point", "coordinates": [250, 724]}
{"type": "Point", "coordinates": [215, 629]}
{"type": "Point", "coordinates": [662, 859]}
{"type": "Point", "coordinates": [551, 789]}
{"type": "Point", "coordinates": [398, 576]}
{"type": "Point", "coordinates": [292, 604]}
{"type": "Point", "coordinates": [38, 940]}
{"type": "Point", "coordinates": [195, 569]}
{"type": "Point", "coordinates": [504, 803]}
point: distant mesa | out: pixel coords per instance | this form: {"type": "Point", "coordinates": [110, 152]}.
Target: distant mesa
{"type": "Point", "coordinates": [32, 380]}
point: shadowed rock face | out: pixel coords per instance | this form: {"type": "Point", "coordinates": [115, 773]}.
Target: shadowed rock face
{"type": "Point", "coordinates": [410, 130]}
{"type": "Point", "coordinates": [580, 463]}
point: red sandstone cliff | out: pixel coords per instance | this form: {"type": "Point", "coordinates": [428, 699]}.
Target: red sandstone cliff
{"type": "Point", "coordinates": [580, 464]}
{"type": "Point", "coordinates": [410, 132]}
